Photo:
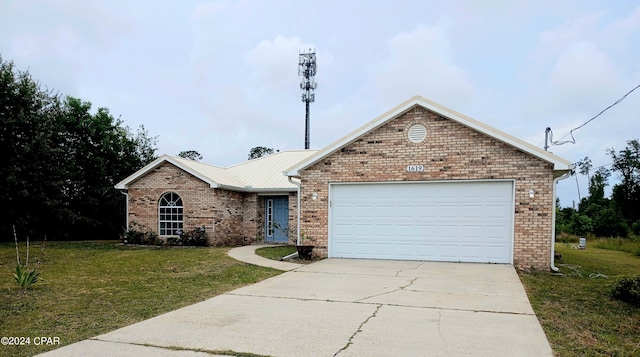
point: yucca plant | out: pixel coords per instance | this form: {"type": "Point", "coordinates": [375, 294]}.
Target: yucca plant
{"type": "Point", "coordinates": [22, 275]}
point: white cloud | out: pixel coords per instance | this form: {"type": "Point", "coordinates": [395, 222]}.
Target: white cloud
{"type": "Point", "coordinates": [420, 62]}
{"type": "Point", "coordinates": [582, 73]}
{"type": "Point", "coordinates": [273, 63]}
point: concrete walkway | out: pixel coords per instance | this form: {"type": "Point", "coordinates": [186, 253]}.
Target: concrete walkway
{"type": "Point", "coordinates": [247, 254]}
{"type": "Point", "coordinates": [346, 307]}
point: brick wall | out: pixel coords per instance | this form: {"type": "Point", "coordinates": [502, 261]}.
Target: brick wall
{"type": "Point", "coordinates": [293, 216]}
{"type": "Point", "coordinates": [252, 218]}
{"type": "Point", "coordinates": [221, 212]}
{"type": "Point", "coordinates": [229, 217]}
{"type": "Point", "coordinates": [451, 151]}
{"type": "Point", "coordinates": [197, 198]}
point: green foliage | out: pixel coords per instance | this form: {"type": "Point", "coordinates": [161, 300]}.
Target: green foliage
{"type": "Point", "coordinates": [607, 217]}
{"type": "Point", "coordinates": [194, 237]}
{"type": "Point", "coordinates": [259, 151]}
{"type": "Point", "coordinates": [197, 236]}
{"type": "Point", "coordinates": [635, 228]}
{"type": "Point", "coordinates": [135, 236]}
{"type": "Point", "coordinates": [575, 307]}
{"type": "Point", "coordinates": [628, 290]}
{"type": "Point", "coordinates": [61, 162]}
{"type": "Point", "coordinates": [191, 155]}
{"type": "Point", "coordinates": [24, 277]}
{"type": "Point", "coordinates": [626, 194]}
{"type": "Point", "coordinates": [277, 252]}
{"type": "Point", "coordinates": [628, 245]}
{"type": "Point", "coordinates": [581, 224]}
{"type": "Point", "coordinates": [93, 287]}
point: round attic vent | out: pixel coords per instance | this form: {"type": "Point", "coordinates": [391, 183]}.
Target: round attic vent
{"type": "Point", "coordinates": [417, 133]}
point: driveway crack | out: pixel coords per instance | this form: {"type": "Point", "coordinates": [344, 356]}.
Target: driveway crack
{"type": "Point", "coordinates": [392, 291]}
{"type": "Point", "coordinates": [350, 342]}
{"type": "Point", "coordinates": [414, 268]}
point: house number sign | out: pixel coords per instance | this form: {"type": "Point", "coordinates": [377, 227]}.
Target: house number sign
{"type": "Point", "coordinates": [415, 168]}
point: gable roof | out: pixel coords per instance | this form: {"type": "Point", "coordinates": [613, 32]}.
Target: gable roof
{"type": "Point", "coordinates": [560, 165]}
{"type": "Point", "coordinates": [264, 174]}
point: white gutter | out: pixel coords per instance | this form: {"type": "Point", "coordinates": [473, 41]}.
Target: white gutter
{"type": "Point", "coordinates": [298, 208]}
{"type": "Point", "coordinates": [553, 222]}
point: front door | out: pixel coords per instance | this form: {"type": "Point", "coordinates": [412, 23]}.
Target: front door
{"type": "Point", "coordinates": [276, 219]}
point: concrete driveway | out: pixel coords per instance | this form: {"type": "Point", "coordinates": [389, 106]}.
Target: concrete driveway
{"type": "Point", "coordinates": [340, 307]}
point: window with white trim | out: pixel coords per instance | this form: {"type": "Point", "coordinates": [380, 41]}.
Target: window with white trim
{"type": "Point", "coordinates": [170, 216]}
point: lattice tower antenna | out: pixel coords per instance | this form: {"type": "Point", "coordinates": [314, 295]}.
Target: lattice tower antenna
{"type": "Point", "coordinates": [307, 72]}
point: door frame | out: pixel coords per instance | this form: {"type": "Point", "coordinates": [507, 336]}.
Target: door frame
{"type": "Point", "coordinates": [271, 233]}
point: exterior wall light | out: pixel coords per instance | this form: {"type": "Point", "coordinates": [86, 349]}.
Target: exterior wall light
{"type": "Point", "coordinates": [314, 196]}
{"type": "Point", "coordinates": [532, 193]}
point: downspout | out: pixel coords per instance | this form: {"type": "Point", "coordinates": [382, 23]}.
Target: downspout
{"type": "Point", "coordinates": [126, 214]}
{"type": "Point", "coordinates": [553, 222]}
{"type": "Point", "coordinates": [298, 208]}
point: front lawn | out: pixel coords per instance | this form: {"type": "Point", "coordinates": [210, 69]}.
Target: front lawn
{"type": "Point", "coordinates": [575, 307]}
{"type": "Point", "coordinates": [275, 253]}
{"type": "Point", "coordinates": [94, 287]}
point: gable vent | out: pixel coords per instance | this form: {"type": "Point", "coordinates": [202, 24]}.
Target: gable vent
{"type": "Point", "coordinates": [417, 133]}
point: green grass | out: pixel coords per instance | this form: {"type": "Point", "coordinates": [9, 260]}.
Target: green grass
{"type": "Point", "coordinates": [275, 253]}
{"type": "Point", "coordinates": [621, 244]}
{"type": "Point", "coordinates": [93, 287]}
{"type": "Point", "coordinates": [577, 312]}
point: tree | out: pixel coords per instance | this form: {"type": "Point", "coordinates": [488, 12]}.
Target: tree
{"type": "Point", "coordinates": [102, 152]}
{"type": "Point", "coordinates": [626, 194]}
{"type": "Point", "coordinates": [259, 151]}
{"type": "Point", "coordinates": [191, 155]}
{"type": "Point", "coordinates": [145, 146]}
{"type": "Point", "coordinates": [597, 184]}
{"type": "Point", "coordinates": [32, 148]}
{"type": "Point", "coordinates": [585, 166]}
{"type": "Point", "coordinates": [61, 162]}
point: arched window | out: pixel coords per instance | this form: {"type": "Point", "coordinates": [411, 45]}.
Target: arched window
{"type": "Point", "coordinates": [170, 213]}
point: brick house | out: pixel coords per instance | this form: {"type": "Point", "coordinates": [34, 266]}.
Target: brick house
{"type": "Point", "coordinates": [423, 182]}
{"type": "Point", "coordinates": [251, 201]}
{"type": "Point", "coordinates": [420, 182]}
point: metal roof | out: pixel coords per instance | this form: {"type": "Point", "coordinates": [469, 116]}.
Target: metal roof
{"type": "Point", "coordinates": [560, 165]}
{"type": "Point", "coordinates": [265, 174]}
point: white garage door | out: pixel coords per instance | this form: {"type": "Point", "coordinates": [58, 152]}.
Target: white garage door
{"type": "Point", "coordinates": [469, 221]}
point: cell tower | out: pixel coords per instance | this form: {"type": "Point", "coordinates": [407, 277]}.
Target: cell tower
{"type": "Point", "coordinates": [307, 72]}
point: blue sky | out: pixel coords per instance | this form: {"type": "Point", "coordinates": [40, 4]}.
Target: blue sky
{"type": "Point", "coordinates": [220, 77]}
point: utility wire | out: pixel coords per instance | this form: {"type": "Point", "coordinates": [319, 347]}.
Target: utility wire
{"type": "Point", "coordinates": [573, 140]}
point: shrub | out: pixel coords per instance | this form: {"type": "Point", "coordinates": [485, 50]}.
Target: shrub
{"type": "Point", "coordinates": [197, 236]}
{"type": "Point", "coordinates": [628, 290]}
{"type": "Point", "coordinates": [135, 236]}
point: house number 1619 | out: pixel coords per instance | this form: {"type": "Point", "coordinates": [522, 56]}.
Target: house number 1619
{"type": "Point", "coordinates": [415, 168]}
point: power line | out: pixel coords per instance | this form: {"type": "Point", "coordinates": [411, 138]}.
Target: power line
{"type": "Point", "coordinates": [573, 140]}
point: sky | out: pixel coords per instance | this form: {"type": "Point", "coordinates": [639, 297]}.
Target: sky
{"type": "Point", "coordinates": [221, 77]}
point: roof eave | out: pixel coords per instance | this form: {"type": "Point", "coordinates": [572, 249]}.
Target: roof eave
{"type": "Point", "coordinates": [124, 184]}
{"type": "Point", "coordinates": [558, 163]}
{"type": "Point", "coordinates": [294, 171]}
{"type": "Point", "coordinates": [257, 189]}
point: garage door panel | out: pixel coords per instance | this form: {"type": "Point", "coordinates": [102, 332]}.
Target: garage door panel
{"type": "Point", "coordinates": [462, 221]}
